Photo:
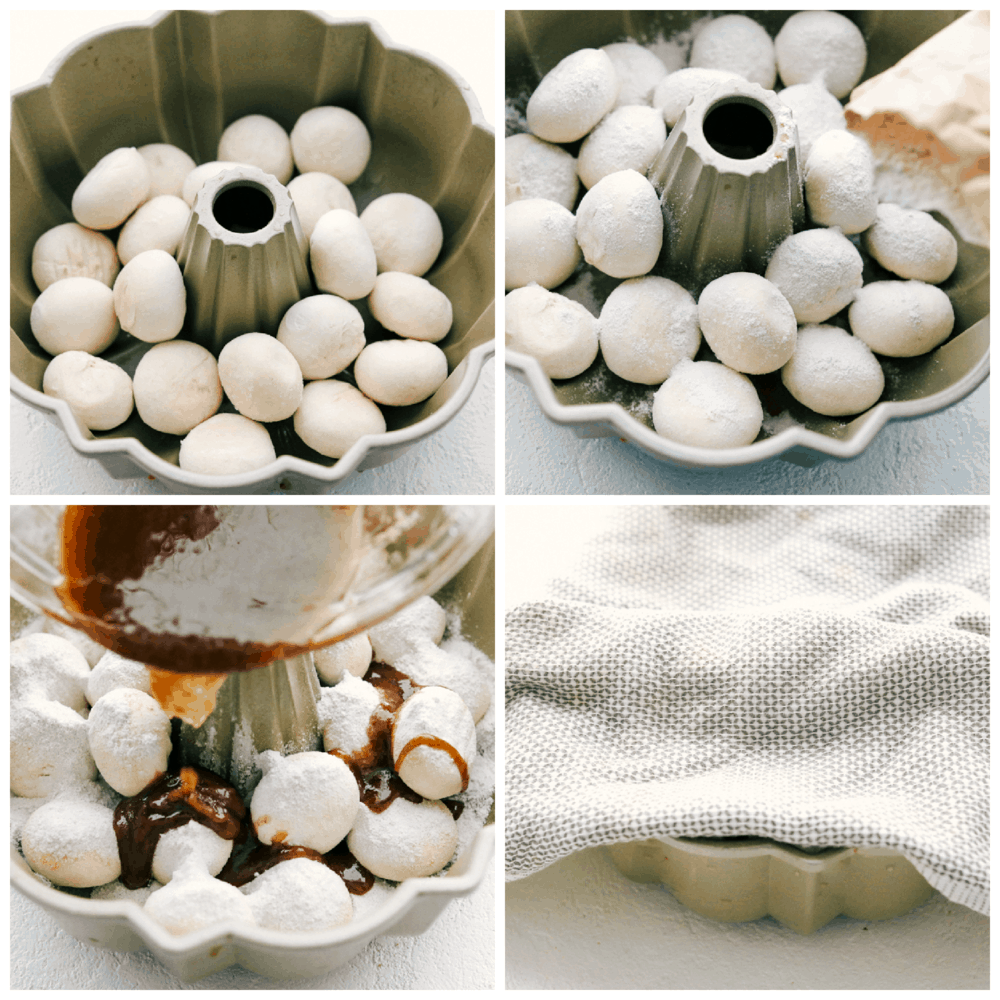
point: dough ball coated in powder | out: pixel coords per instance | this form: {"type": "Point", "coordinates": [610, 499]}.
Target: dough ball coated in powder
{"type": "Point", "coordinates": [261, 142]}
{"type": "Point", "coordinates": [676, 91]}
{"type": "Point", "coordinates": [226, 445]}
{"type": "Point", "coordinates": [332, 141]}
{"type": "Point", "coordinates": [176, 386]}
{"type": "Point", "coordinates": [333, 415]}
{"type": "Point", "coordinates": [158, 224]}
{"type": "Point", "coordinates": [647, 326]}
{"type": "Point", "coordinates": [619, 225]}
{"type": "Point", "coordinates": [821, 44]}
{"type": "Point", "coordinates": [351, 657]}
{"type": "Point", "coordinates": [627, 139]}
{"type": "Point", "coordinates": [193, 900]}
{"type": "Point", "coordinates": [901, 319]}
{"type": "Point", "coordinates": [71, 251]}
{"type": "Point", "coordinates": [195, 180]}
{"type": "Point", "coordinates": [400, 372]}
{"type": "Point", "coordinates": [176, 845]}
{"type": "Point", "coordinates": [840, 182]}
{"type": "Point", "coordinates": [573, 97]}
{"type": "Point", "coordinates": [539, 243]}
{"type": "Point", "coordinates": [638, 69]}
{"type": "Point", "coordinates": [150, 297]}
{"type": "Point", "coordinates": [168, 166]}
{"type": "Point", "coordinates": [314, 194]}
{"type": "Point", "coordinates": [420, 622]}
{"type": "Point", "coordinates": [912, 244]}
{"type": "Point", "coordinates": [405, 232]}
{"type": "Point", "coordinates": [300, 895]}
{"type": "Point", "coordinates": [707, 405]}
{"type": "Point", "coordinates": [747, 322]}
{"type": "Point", "coordinates": [325, 333]}
{"type": "Point", "coordinates": [736, 43]}
{"type": "Point", "coordinates": [832, 372]}
{"type": "Point", "coordinates": [534, 168]}
{"type": "Point", "coordinates": [818, 271]}
{"type": "Point", "coordinates": [72, 842]}
{"type": "Point", "coordinates": [112, 190]}
{"type": "Point", "coordinates": [75, 314]}
{"type": "Point", "coordinates": [49, 667]}
{"type": "Point", "coordinates": [261, 377]}
{"type": "Point", "coordinates": [560, 333]}
{"type": "Point", "coordinates": [410, 306]}
{"type": "Point", "coordinates": [113, 671]}
{"type": "Point", "coordinates": [129, 738]}
{"type": "Point", "coordinates": [98, 392]}
{"type": "Point", "coordinates": [49, 749]}
{"type": "Point", "coordinates": [816, 112]}
{"type": "Point", "coordinates": [342, 256]}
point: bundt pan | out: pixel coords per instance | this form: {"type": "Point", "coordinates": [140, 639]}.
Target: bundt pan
{"type": "Point", "coordinates": [181, 77]}
{"type": "Point", "coordinates": [598, 403]}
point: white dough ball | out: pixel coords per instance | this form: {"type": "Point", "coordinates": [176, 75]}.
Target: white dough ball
{"type": "Point", "coordinates": [423, 620]}
{"type": "Point", "coordinates": [195, 180]}
{"type": "Point", "coordinates": [738, 43]}
{"type": "Point", "coordinates": [158, 224]}
{"type": "Point", "coordinates": [226, 445]}
{"type": "Point", "coordinates": [300, 895]}
{"type": "Point", "coordinates": [49, 667]}
{"type": "Point", "coordinates": [72, 843]}
{"type": "Point", "coordinates": [75, 314]}
{"type": "Point", "coordinates": [410, 306]}
{"type": "Point", "coordinates": [405, 840]}
{"type": "Point", "coordinates": [638, 71]}
{"type": "Point", "coordinates": [194, 900]}
{"type": "Point", "coordinates": [747, 322]}
{"type": "Point", "coordinates": [619, 225]}
{"type": "Point", "coordinates": [432, 665]}
{"type": "Point", "coordinates": [177, 845]}
{"type": "Point", "coordinates": [647, 326]}
{"type": "Point", "coordinates": [626, 139]}
{"type": "Point", "coordinates": [98, 392]}
{"type": "Point", "coordinates": [901, 319]}
{"type": "Point", "coordinates": [92, 651]}
{"type": "Point", "coordinates": [676, 91]}
{"type": "Point", "coordinates": [349, 657]}
{"type": "Point", "coordinates": [261, 377]}
{"type": "Point", "coordinates": [707, 405]}
{"type": "Point", "coordinates": [346, 714]}
{"type": "Point", "coordinates": [334, 415]}
{"type": "Point", "coordinates": [534, 168]}
{"type": "Point", "coordinates": [49, 748]}
{"type": "Point", "coordinates": [573, 97]}
{"type": "Point", "coordinates": [832, 372]}
{"type": "Point", "coordinates": [816, 111]}
{"type": "Point", "coordinates": [71, 251]}
{"type": "Point", "coordinates": [342, 255]}
{"type": "Point", "coordinates": [150, 297]}
{"type": "Point", "coordinates": [129, 739]}
{"type": "Point", "coordinates": [840, 182]}
{"type": "Point", "coordinates": [539, 243]}
{"type": "Point", "coordinates": [176, 386]}
{"type": "Point", "coordinates": [823, 45]}
{"type": "Point", "coordinates": [112, 190]}
{"type": "Point", "coordinates": [314, 194]}
{"type": "Point", "coordinates": [325, 333]}
{"type": "Point", "coordinates": [405, 232]}
{"type": "Point", "coordinates": [261, 142]}
{"type": "Point", "coordinates": [168, 166]}
{"type": "Point", "coordinates": [912, 244]}
{"type": "Point", "coordinates": [332, 141]}
{"type": "Point", "coordinates": [818, 271]}
{"type": "Point", "coordinates": [113, 671]}
{"type": "Point", "coordinates": [560, 333]}
{"type": "Point", "coordinates": [400, 372]}
{"type": "Point", "coordinates": [309, 799]}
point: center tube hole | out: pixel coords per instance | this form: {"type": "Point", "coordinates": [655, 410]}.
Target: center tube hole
{"type": "Point", "coordinates": [738, 130]}
{"type": "Point", "coordinates": [243, 208]}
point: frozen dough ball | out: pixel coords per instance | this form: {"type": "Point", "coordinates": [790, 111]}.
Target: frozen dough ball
{"type": "Point", "coordinates": [73, 843]}
{"type": "Point", "coordinates": [325, 333]}
{"type": "Point", "coordinates": [638, 70]}
{"type": "Point", "coordinates": [410, 306]}
{"type": "Point", "coordinates": [300, 895]}
{"type": "Point", "coordinates": [50, 667]}
{"type": "Point", "coordinates": [560, 333]}
{"type": "Point", "coordinates": [114, 671]}
{"type": "Point", "coordinates": [747, 322]}
{"type": "Point", "coordinates": [534, 168]}
{"type": "Point", "coordinates": [901, 319]}
{"type": "Point", "coordinates": [676, 91]}
{"type": "Point", "coordinates": [347, 713]}
{"type": "Point", "coordinates": [823, 45]}
{"type": "Point", "coordinates": [49, 748]}
{"type": "Point", "coordinates": [431, 665]}
{"type": "Point", "coordinates": [150, 297]}
{"type": "Point", "coordinates": [349, 657]}
{"type": "Point", "coordinates": [832, 372]}
{"type": "Point", "coordinates": [539, 243]}
{"type": "Point", "coordinates": [840, 182]}
{"type": "Point", "coordinates": [261, 142]}
{"type": "Point", "coordinates": [71, 251]}
{"type": "Point", "coordinates": [619, 225]}
{"type": "Point", "coordinates": [422, 621]}
{"type": "Point", "coordinates": [177, 845]}
{"type": "Point", "coordinates": [815, 110]}
{"type": "Point", "coordinates": [112, 190]}
{"type": "Point", "coordinates": [98, 392]}
{"type": "Point", "coordinates": [226, 445]}
{"type": "Point", "coordinates": [405, 232]}
{"type": "Point", "coordinates": [158, 224]}
{"type": "Point", "coordinates": [646, 327]}
{"type": "Point", "coordinates": [168, 166]}
{"type": "Point", "coordinates": [92, 651]}
{"type": "Point", "coordinates": [627, 139]}
{"type": "Point", "coordinates": [193, 900]}
{"type": "Point", "coordinates": [342, 255]}
{"type": "Point", "coordinates": [314, 194]}
{"type": "Point", "coordinates": [334, 415]}
{"type": "Point", "coordinates": [736, 43]}
{"type": "Point", "coordinates": [707, 405]}
{"type": "Point", "coordinates": [261, 377]}
{"type": "Point", "coordinates": [176, 386]}
{"type": "Point", "coordinates": [573, 97]}
{"type": "Point", "coordinates": [912, 244]}
{"type": "Point", "coordinates": [400, 372]}
{"type": "Point", "coordinates": [195, 180]}
{"type": "Point", "coordinates": [75, 314]}
{"type": "Point", "coordinates": [818, 271]}
{"type": "Point", "coordinates": [332, 141]}
{"type": "Point", "coordinates": [129, 739]}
